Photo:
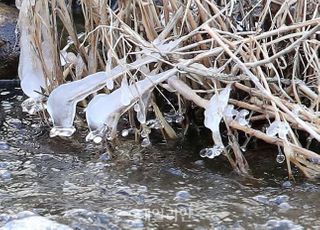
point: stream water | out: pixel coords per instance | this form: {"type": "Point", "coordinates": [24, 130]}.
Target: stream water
{"type": "Point", "coordinates": [166, 186]}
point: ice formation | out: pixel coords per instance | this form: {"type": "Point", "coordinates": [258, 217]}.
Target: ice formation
{"type": "Point", "coordinates": [229, 113]}
{"type": "Point", "coordinates": [213, 115]}
{"type": "Point", "coordinates": [279, 128]}
{"type": "Point", "coordinates": [241, 117]}
{"type": "Point", "coordinates": [63, 100]}
{"type": "Point", "coordinates": [104, 109]}
{"type": "Point", "coordinates": [30, 70]}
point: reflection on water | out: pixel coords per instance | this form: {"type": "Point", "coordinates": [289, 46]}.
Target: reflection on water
{"type": "Point", "coordinates": [167, 186]}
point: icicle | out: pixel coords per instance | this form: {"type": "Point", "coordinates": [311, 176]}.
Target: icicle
{"type": "Point", "coordinates": [110, 83]}
{"type": "Point", "coordinates": [214, 113]}
{"type": "Point", "coordinates": [126, 96]}
{"type": "Point", "coordinates": [62, 100]}
{"type": "Point", "coordinates": [143, 105]}
{"type": "Point", "coordinates": [104, 108]}
{"type": "Point", "coordinates": [30, 71]}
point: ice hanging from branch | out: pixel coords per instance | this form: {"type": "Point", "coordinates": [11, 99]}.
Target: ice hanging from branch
{"type": "Point", "coordinates": [63, 100]}
{"type": "Point", "coordinates": [31, 71]}
{"type": "Point", "coordinates": [104, 110]}
{"type": "Point", "coordinates": [213, 115]}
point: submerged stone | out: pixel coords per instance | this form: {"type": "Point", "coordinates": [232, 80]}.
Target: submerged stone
{"type": "Point", "coordinates": [182, 195]}
{"type": "Point", "coordinates": [33, 223]}
{"type": "Point", "coordinates": [287, 184]}
{"type": "Point", "coordinates": [4, 145]}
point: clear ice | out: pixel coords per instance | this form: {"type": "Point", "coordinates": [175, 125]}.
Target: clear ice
{"type": "Point", "coordinates": [229, 113]}
{"type": "Point", "coordinates": [241, 117]}
{"type": "Point", "coordinates": [62, 101]}
{"type": "Point", "coordinates": [212, 152]}
{"type": "Point", "coordinates": [104, 110]}
{"type": "Point", "coordinates": [30, 70]}
{"type": "Point", "coordinates": [278, 127]}
{"type": "Point", "coordinates": [214, 113]}
{"type": "Point", "coordinates": [33, 105]}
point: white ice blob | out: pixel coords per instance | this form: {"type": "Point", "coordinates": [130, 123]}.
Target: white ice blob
{"type": "Point", "coordinates": [214, 113]}
{"type": "Point", "coordinates": [278, 128]}
{"type": "Point", "coordinates": [229, 113]}
{"type": "Point", "coordinates": [104, 110]}
{"type": "Point", "coordinates": [241, 117]}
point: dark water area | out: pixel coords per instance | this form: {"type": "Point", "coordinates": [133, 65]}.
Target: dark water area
{"type": "Point", "coordinates": [165, 186]}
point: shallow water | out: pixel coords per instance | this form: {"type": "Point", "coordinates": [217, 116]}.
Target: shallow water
{"type": "Point", "coordinates": [166, 186]}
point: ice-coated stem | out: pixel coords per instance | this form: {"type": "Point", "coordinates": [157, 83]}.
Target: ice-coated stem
{"type": "Point", "coordinates": [104, 108]}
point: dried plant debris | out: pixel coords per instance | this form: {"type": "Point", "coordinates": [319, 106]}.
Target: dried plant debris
{"type": "Point", "coordinates": [253, 65]}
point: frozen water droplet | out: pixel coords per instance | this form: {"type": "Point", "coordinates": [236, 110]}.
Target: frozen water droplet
{"type": "Point", "coordinates": [62, 131]}
{"type": "Point", "coordinates": [278, 127]}
{"type": "Point", "coordinates": [110, 83]}
{"type": "Point", "coordinates": [32, 105]}
{"type": "Point", "coordinates": [125, 132]}
{"type": "Point", "coordinates": [229, 112]}
{"type": "Point", "coordinates": [243, 148]}
{"type": "Point", "coordinates": [97, 139]}
{"type": "Point", "coordinates": [217, 150]}
{"type": "Point", "coordinates": [280, 158]}
{"type": "Point", "coordinates": [154, 124]}
{"type": "Point", "coordinates": [179, 118]}
{"type": "Point", "coordinates": [241, 117]}
{"type": "Point", "coordinates": [145, 142]}
{"type": "Point", "coordinates": [210, 153]}
{"type": "Point", "coordinates": [203, 153]}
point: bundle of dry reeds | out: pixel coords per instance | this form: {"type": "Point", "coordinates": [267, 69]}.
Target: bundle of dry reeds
{"type": "Point", "coordinates": [266, 50]}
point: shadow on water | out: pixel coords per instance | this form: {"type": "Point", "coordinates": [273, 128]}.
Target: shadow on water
{"type": "Point", "coordinates": [166, 186]}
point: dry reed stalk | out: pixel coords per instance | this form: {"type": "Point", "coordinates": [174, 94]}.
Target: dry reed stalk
{"type": "Point", "coordinates": [269, 50]}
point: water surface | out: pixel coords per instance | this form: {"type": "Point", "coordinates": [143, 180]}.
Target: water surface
{"type": "Point", "coordinates": [166, 186]}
